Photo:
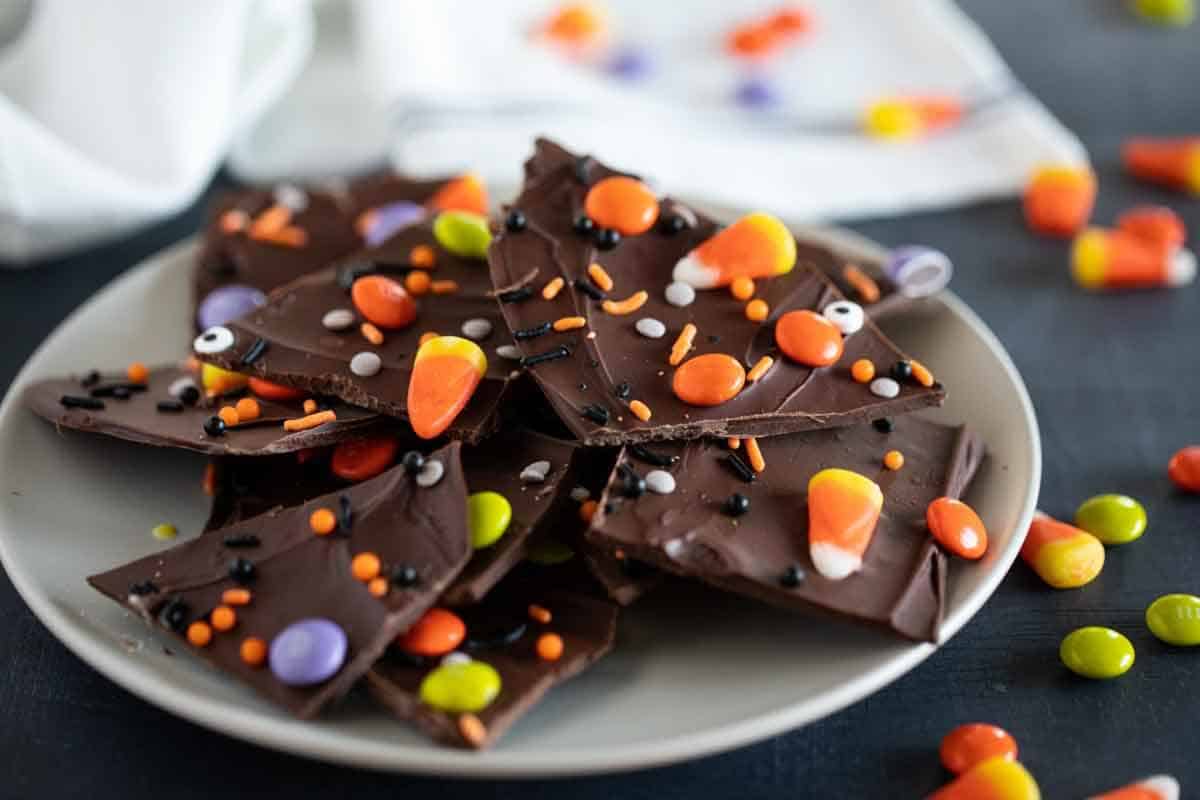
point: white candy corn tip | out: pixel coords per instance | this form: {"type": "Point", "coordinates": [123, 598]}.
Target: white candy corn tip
{"type": "Point", "coordinates": [694, 273]}
{"type": "Point", "coordinates": [1163, 787]}
{"type": "Point", "coordinates": [1182, 270]}
{"type": "Point", "coordinates": [832, 561]}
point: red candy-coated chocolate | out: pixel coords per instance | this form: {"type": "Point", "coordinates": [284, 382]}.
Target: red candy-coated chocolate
{"type": "Point", "coordinates": [1184, 469]}
{"type": "Point", "coordinates": [383, 302]}
{"type": "Point", "coordinates": [435, 634]}
{"type": "Point", "coordinates": [808, 338]}
{"type": "Point", "coordinates": [360, 459]}
{"type": "Point", "coordinates": [274, 391]}
{"type": "Point", "coordinates": [974, 743]}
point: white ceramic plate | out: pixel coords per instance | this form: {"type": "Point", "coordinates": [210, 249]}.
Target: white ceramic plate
{"type": "Point", "coordinates": [73, 504]}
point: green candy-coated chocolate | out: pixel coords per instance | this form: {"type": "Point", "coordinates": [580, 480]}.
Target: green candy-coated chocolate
{"type": "Point", "coordinates": [1112, 518]}
{"type": "Point", "coordinates": [1175, 618]}
{"type": "Point", "coordinates": [548, 552]}
{"type": "Point", "coordinates": [461, 687]}
{"type": "Point", "coordinates": [1096, 652]}
{"type": "Point", "coordinates": [1166, 12]}
{"type": "Point", "coordinates": [463, 233]}
{"type": "Point", "coordinates": [488, 515]}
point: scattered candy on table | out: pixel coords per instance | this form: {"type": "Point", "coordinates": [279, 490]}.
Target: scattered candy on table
{"type": "Point", "coordinates": [1156, 225]}
{"type": "Point", "coordinates": [957, 527]}
{"type": "Point", "coordinates": [843, 510]}
{"type": "Point", "coordinates": [1096, 652]}
{"type": "Point", "coordinates": [1112, 518]}
{"type": "Point", "coordinates": [1059, 199]}
{"type": "Point", "coordinates": [994, 779]}
{"type": "Point", "coordinates": [1175, 619]}
{"type": "Point", "coordinates": [1156, 787]}
{"type": "Point", "coordinates": [1184, 469]}
{"type": "Point", "coordinates": [1062, 555]}
{"type": "Point", "coordinates": [911, 117]}
{"type": "Point", "coordinates": [969, 745]}
{"type": "Point", "coordinates": [1173, 163]}
{"type": "Point", "coordinates": [1117, 259]}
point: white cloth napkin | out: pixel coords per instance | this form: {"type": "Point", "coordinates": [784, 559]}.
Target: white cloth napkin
{"type": "Point", "coordinates": [113, 114]}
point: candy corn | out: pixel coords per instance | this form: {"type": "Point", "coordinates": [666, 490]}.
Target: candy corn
{"type": "Point", "coordinates": [910, 117]}
{"type": "Point", "coordinates": [1062, 555]}
{"type": "Point", "coordinates": [1116, 259]}
{"type": "Point", "coordinates": [1174, 163]}
{"type": "Point", "coordinates": [446, 371]}
{"type": "Point", "coordinates": [1059, 199]}
{"type": "Point", "coordinates": [756, 246]}
{"type": "Point", "coordinates": [995, 779]}
{"type": "Point", "coordinates": [1157, 225]}
{"type": "Point", "coordinates": [843, 509]}
{"type": "Point", "coordinates": [219, 381]}
{"type": "Point", "coordinates": [1158, 787]}
{"type": "Point", "coordinates": [919, 271]}
{"type": "Point", "coordinates": [467, 192]}
{"type": "Point", "coordinates": [765, 36]}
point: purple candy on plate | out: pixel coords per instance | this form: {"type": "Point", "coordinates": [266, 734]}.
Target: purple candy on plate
{"type": "Point", "coordinates": [227, 303]}
{"type": "Point", "coordinates": [756, 93]}
{"type": "Point", "coordinates": [919, 271]}
{"type": "Point", "coordinates": [386, 220]}
{"type": "Point", "coordinates": [308, 652]}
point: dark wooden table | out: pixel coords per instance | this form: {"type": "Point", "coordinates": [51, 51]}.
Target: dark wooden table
{"type": "Point", "coordinates": [1115, 380]}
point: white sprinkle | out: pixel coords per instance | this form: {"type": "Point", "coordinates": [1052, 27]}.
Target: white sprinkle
{"type": "Point", "coordinates": [366, 364]}
{"type": "Point", "coordinates": [292, 196]}
{"type": "Point", "coordinates": [885, 387]}
{"type": "Point", "coordinates": [509, 351]}
{"type": "Point", "coordinates": [339, 319]}
{"type": "Point", "coordinates": [456, 657]}
{"type": "Point", "coordinates": [477, 329]}
{"type": "Point", "coordinates": [846, 316]}
{"type": "Point", "coordinates": [680, 294]}
{"type": "Point", "coordinates": [430, 473]}
{"type": "Point", "coordinates": [535, 472]}
{"type": "Point", "coordinates": [580, 494]}
{"type": "Point", "coordinates": [651, 328]}
{"type": "Point", "coordinates": [660, 481]}
{"type": "Point", "coordinates": [181, 385]}
{"type": "Point", "coordinates": [673, 548]}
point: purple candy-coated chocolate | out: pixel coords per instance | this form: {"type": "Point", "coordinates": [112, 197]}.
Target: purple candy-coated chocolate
{"type": "Point", "coordinates": [631, 63]}
{"type": "Point", "coordinates": [919, 271]}
{"type": "Point", "coordinates": [386, 220]}
{"type": "Point", "coordinates": [756, 93]}
{"type": "Point", "coordinates": [308, 652]}
{"type": "Point", "coordinates": [227, 303]}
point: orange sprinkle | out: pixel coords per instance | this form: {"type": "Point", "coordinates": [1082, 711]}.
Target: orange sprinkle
{"type": "Point", "coordinates": [759, 369]}
{"type": "Point", "coordinates": [426, 336]}
{"type": "Point", "coordinates": [640, 410]}
{"type": "Point", "coordinates": [378, 586]}
{"type": "Point", "coordinates": [569, 324]}
{"type": "Point", "coordinates": [742, 288]}
{"type": "Point", "coordinates": [365, 566]}
{"type": "Point", "coordinates": [472, 729]}
{"type": "Point", "coordinates": [209, 482]}
{"type": "Point", "coordinates": [757, 310]}
{"type": "Point", "coordinates": [683, 344]}
{"type": "Point", "coordinates": [733, 443]}
{"type": "Point", "coordinates": [270, 221]}
{"type": "Point", "coordinates": [893, 460]}
{"type": "Point", "coordinates": [310, 406]}
{"type": "Point", "coordinates": [291, 236]}
{"type": "Point", "coordinates": [253, 651]}
{"type": "Point", "coordinates": [417, 282]}
{"type": "Point", "coordinates": [223, 618]}
{"type": "Point", "coordinates": [628, 305]}
{"type": "Point", "coordinates": [867, 289]}
{"type": "Point", "coordinates": [322, 521]}
{"type": "Point", "coordinates": [236, 597]}
{"type": "Point", "coordinates": [199, 633]}
{"type": "Point", "coordinates": [422, 256]}
{"type": "Point", "coordinates": [921, 373]}
{"type": "Point", "coordinates": [600, 277]}
{"type": "Point", "coordinates": [587, 510]}
{"type": "Point", "coordinates": [540, 614]}
{"type": "Point", "coordinates": [863, 370]}
{"type": "Point", "coordinates": [309, 422]}
{"type": "Point", "coordinates": [709, 380]}
{"type": "Point", "coordinates": [371, 333]}
{"type": "Point", "coordinates": [247, 409]}
{"type": "Point", "coordinates": [137, 372]}
{"type": "Point", "coordinates": [549, 647]}
{"type": "Point", "coordinates": [444, 287]}
{"type": "Point", "coordinates": [551, 289]}
{"type": "Point", "coordinates": [233, 221]}
{"type": "Point", "coordinates": [757, 462]}
{"type": "Point", "coordinates": [229, 416]}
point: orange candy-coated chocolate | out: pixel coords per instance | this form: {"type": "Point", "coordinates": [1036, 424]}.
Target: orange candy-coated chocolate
{"type": "Point", "coordinates": [383, 301]}
{"type": "Point", "coordinates": [957, 527]}
{"type": "Point", "coordinates": [1154, 224]}
{"type": "Point", "coordinates": [808, 338]}
{"type": "Point", "coordinates": [622, 203]}
{"type": "Point", "coordinates": [970, 745]}
{"type": "Point", "coordinates": [549, 647]}
{"type": "Point", "coordinates": [843, 510]}
{"type": "Point", "coordinates": [360, 459]}
{"type": "Point", "coordinates": [1174, 163]}
{"type": "Point", "coordinates": [467, 192]}
{"type": "Point", "coordinates": [436, 633]}
{"type": "Point", "coordinates": [1184, 469]}
{"type": "Point", "coordinates": [709, 380]}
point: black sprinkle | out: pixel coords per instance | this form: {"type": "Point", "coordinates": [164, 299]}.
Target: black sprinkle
{"type": "Point", "coordinates": [588, 288]}
{"type": "Point", "coordinates": [242, 540]}
{"type": "Point", "coordinates": [412, 461]}
{"type": "Point", "coordinates": [533, 332]}
{"type": "Point", "coordinates": [610, 508]}
{"type": "Point", "coordinates": [607, 238]}
{"type": "Point", "coordinates": [515, 221]}
{"type": "Point", "coordinates": [632, 484]}
{"type": "Point", "coordinates": [583, 225]}
{"type": "Point", "coordinates": [884, 425]}
{"type": "Point", "coordinates": [550, 355]}
{"type": "Point", "coordinates": [170, 406]}
{"type": "Point", "coordinates": [901, 371]}
{"type": "Point", "coordinates": [650, 457]}
{"type": "Point", "coordinates": [739, 467]}
{"type": "Point", "coordinates": [175, 614]}
{"type": "Point", "coordinates": [597, 414]}
{"type": "Point", "coordinates": [495, 640]}
{"type": "Point", "coordinates": [583, 169]}
{"type": "Point", "coordinates": [736, 504]}
{"type": "Point", "coordinates": [190, 395]}
{"type": "Point", "coordinates": [516, 295]}
{"type": "Point", "coordinates": [90, 379]}
{"type": "Point", "coordinates": [144, 588]}
{"type": "Point", "coordinates": [349, 273]}
{"type": "Point", "coordinates": [714, 338]}
{"type": "Point", "coordinates": [624, 390]}
{"type": "Point", "coordinates": [214, 426]}
{"type": "Point", "coordinates": [672, 224]}
{"type": "Point", "coordinates": [345, 514]}
{"type": "Point", "coordinates": [242, 570]}
{"type": "Point", "coordinates": [255, 352]}
{"type": "Point", "coordinates": [75, 401]}
{"type": "Point", "coordinates": [636, 569]}
{"type": "Point", "coordinates": [405, 575]}
{"type": "Point", "coordinates": [792, 577]}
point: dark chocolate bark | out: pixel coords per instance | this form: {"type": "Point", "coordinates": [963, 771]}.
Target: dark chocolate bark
{"type": "Point", "coordinates": [610, 363]}
{"type": "Point", "coordinates": [298, 575]}
{"type": "Point", "coordinates": [689, 532]}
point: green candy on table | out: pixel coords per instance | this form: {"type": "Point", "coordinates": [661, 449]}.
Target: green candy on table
{"type": "Point", "coordinates": [1095, 652]}
{"type": "Point", "coordinates": [461, 686]}
{"type": "Point", "coordinates": [1112, 518]}
{"type": "Point", "coordinates": [463, 233]}
{"type": "Point", "coordinates": [1175, 619]}
{"type": "Point", "coordinates": [1176, 13]}
{"type": "Point", "coordinates": [488, 516]}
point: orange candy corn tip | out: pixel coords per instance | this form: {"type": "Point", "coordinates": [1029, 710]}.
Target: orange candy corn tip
{"type": "Point", "coordinates": [467, 192]}
{"type": "Point", "coordinates": [1117, 259]}
{"type": "Point", "coordinates": [843, 510]}
{"type": "Point", "coordinates": [446, 372]}
{"type": "Point", "coordinates": [756, 246]}
{"type": "Point", "coordinates": [1157, 787]}
{"type": "Point", "coordinates": [994, 779]}
{"type": "Point", "coordinates": [1059, 199]}
{"type": "Point", "coordinates": [1154, 224]}
{"type": "Point", "coordinates": [1174, 163]}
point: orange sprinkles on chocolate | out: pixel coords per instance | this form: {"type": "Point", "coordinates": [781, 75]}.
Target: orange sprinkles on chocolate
{"type": "Point", "coordinates": [472, 729]}
{"type": "Point", "coordinates": [640, 410]}
{"type": "Point", "coordinates": [682, 344]}
{"type": "Point", "coordinates": [365, 566]}
{"type": "Point", "coordinates": [863, 284]}
{"type": "Point", "coordinates": [549, 647]}
{"type": "Point", "coordinates": [371, 333]}
{"type": "Point", "coordinates": [236, 597]}
{"type": "Point", "coordinates": [863, 371]}
{"type": "Point", "coordinates": [757, 462]}
{"type": "Point", "coordinates": [569, 324]}
{"type": "Point", "coordinates": [628, 305]}
{"type": "Point", "coordinates": [247, 409]}
{"type": "Point", "coordinates": [417, 282]}
{"type": "Point", "coordinates": [308, 422]}
{"type": "Point", "coordinates": [742, 288]}
{"type": "Point", "coordinates": [223, 618]}
{"type": "Point", "coordinates": [322, 521]}
{"type": "Point", "coordinates": [600, 277]}
{"type": "Point", "coordinates": [253, 651]}
{"type": "Point", "coordinates": [921, 373]}
{"type": "Point", "coordinates": [444, 287]}
{"type": "Point", "coordinates": [893, 460]}
{"type": "Point", "coordinates": [551, 289]}
{"type": "Point", "coordinates": [310, 406]}
{"type": "Point", "coordinates": [199, 634]}
{"type": "Point", "coordinates": [423, 257]}
{"type": "Point", "coordinates": [540, 614]}
{"type": "Point", "coordinates": [759, 369]}
{"type": "Point", "coordinates": [757, 310]}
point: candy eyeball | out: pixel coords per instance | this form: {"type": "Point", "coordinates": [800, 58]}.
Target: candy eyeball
{"type": "Point", "coordinates": [846, 316]}
{"type": "Point", "coordinates": [216, 339]}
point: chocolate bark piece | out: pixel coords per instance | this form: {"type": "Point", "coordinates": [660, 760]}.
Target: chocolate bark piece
{"type": "Point", "coordinates": [609, 363]}
{"type": "Point", "coordinates": [138, 417]}
{"type": "Point", "coordinates": [833, 264]}
{"type": "Point", "coordinates": [247, 487]}
{"type": "Point", "coordinates": [298, 575]}
{"type": "Point", "coordinates": [302, 352]}
{"type": "Point", "coordinates": [764, 553]}
{"type": "Point", "coordinates": [501, 633]}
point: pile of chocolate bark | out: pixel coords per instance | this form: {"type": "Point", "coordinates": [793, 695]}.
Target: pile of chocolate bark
{"type": "Point", "coordinates": [446, 448]}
